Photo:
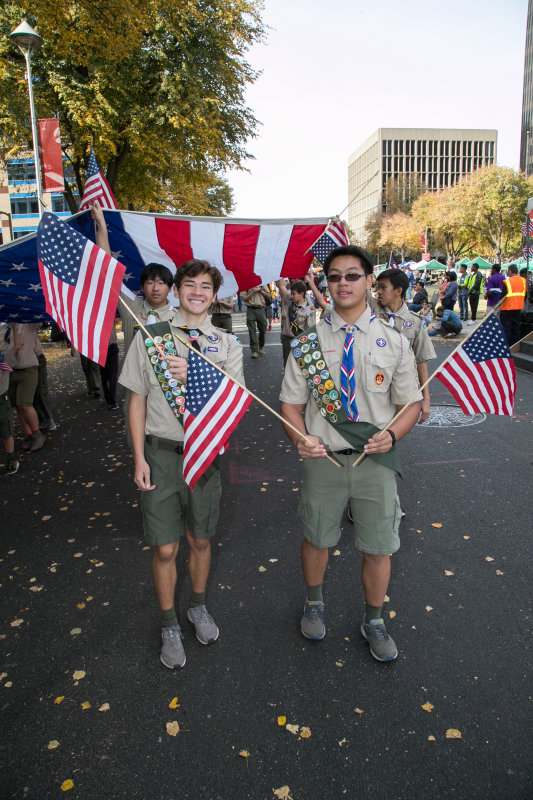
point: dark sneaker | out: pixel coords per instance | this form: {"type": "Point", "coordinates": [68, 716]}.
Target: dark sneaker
{"type": "Point", "coordinates": [12, 466]}
{"type": "Point", "coordinates": [312, 623]}
{"type": "Point", "coordinates": [37, 441]}
{"type": "Point", "coordinates": [26, 445]}
{"type": "Point", "coordinates": [172, 652]}
{"type": "Point", "coordinates": [204, 624]}
{"type": "Point", "coordinates": [51, 425]}
{"type": "Point", "coordinates": [381, 644]}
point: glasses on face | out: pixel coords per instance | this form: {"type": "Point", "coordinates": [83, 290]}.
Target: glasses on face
{"type": "Point", "coordinates": [350, 276]}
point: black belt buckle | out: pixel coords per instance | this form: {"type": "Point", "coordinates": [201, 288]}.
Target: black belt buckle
{"type": "Point", "coordinates": [179, 449]}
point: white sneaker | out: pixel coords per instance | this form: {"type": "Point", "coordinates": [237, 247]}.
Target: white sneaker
{"type": "Point", "coordinates": [470, 322]}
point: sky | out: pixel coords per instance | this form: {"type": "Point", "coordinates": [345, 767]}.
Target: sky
{"type": "Point", "coordinates": [332, 73]}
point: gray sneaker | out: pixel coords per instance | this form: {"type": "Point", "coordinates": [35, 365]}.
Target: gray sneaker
{"type": "Point", "coordinates": [172, 652]}
{"type": "Point", "coordinates": [37, 441]}
{"type": "Point", "coordinates": [312, 623]}
{"type": "Point", "coordinates": [381, 644]}
{"type": "Point", "coordinates": [204, 624]}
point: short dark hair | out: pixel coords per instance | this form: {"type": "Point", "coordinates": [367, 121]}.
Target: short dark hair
{"type": "Point", "coordinates": [474, 266]}
{"type": "Point", "coordinates": [153, 271]}
{"type": "Point", "coordinates": [298, 286]}
{"type": "Point", "coordinates": [512, 269]}
{"type": "Point", "coordinates": [496, 267]}
{"type": "Point", "coordinates": [350, 250]}
{"type": "Point", "coordinates": [452, 275]}
{"type": "Point", "coordinates": [194, 267]}
{"type": "Point", "coordinates": [398, 279]}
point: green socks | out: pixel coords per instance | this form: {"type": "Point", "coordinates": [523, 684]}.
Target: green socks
{"type": "Point", "coordinates": [168, 618]}
{"type": "Point", "coordinates": [372, 612]}
{"type": "Point", "coordinates": [314, 593]}
{"type": "Point", "coordinates": [196, 599]}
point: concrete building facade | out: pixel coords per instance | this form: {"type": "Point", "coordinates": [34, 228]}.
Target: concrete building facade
{"type": "Point", "coordinates": [526, 138]}
{"type": "Point", "coordinates": [438, 156]}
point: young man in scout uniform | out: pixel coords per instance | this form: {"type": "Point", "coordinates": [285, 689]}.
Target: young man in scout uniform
{"type": "Point", "coordinates": [392, 285]}
{"type": "Point", "coordinates": [170, 509]}
{"type": "Point", "coordinates": [349, 376]}
{"type": "Point", "coordinates": [297, 313]}
{"type": "Point", "coordinates": [256, 321]}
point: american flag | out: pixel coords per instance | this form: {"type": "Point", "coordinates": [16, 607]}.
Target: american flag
{"type": "Point", "coordinates": [335, 235]}
{"type": "Point", "coordinates": [4, 365]}
{"type": "Point", "coordinates": [481, 374]}
{"type": "Point", "coordinates": [81, 284]}
{"type": "Point", "coordinates": [527, 227]}
{"type": "Point", "coordinates": [528, 252]}
{"type": "Point", "coordinates": [96, 187]}
{"type": "Point", "coordinates": [214, 405]}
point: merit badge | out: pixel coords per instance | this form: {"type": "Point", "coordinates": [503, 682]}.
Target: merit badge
{"type": "Point", "coordinates": [308, 358]}
{"type": "Point", "coordinates": [305, 373]}
{"type": "Point", "coordinates": [334, 418]}
{"type": "Point", "coordinates": [316, 380]}
{"type": "Point", "coordinates": [314, 345]}
{"type": "Point", "coordinates": [329, 385]}
{"type": "Point", "coordinates": [194, 334]}
{"type": "Point", "coordinates": [381, 342]}
{"type": "Point", "coordinates": [172, 404]}
{"type": "Point", "coordinates": [321, 388]}
{"type": "Point", "coordinates": [315, 393]}
{"type": "Point", "coordinates": [175, 391]}
{"type": "Point", "coordinates": [312, 369]}
{"type": "Point", "coordinates": [180, 400]}
{"type": "Point", "coordinates": [380, 377]}
{"type": "Point", "coordinates": [169, 346]}
{"type": "Point", "coordinates": [154, 359]}
{"type": "Point", "coordinates": [326, 398]}
{"type": "Point", "coordinates": [168, 395]}
{"type": "Point", "coordinates": [182, 408]}
{"type": "Point", "coordinates": [167, 337]}
{"type": "Point", "coordinates": [172, 382]}
{"type": "Point", "coordinates": [311, 336]}
{"type": "Point", "coordinates": [329, 408]}
{"type": "Point", "coordinates": [161, 378]}
{"type": "Point", "coordinates": [148, 342]}
{"type": "Point", "coordinates": [167, 373]}
{"type": "Point", "coordinates": [157, 368]}
{"type": "Point", "coordinates": [295, 343]}
{"type": "Point", "coordinates": [302, 339]}
{"type": "Point", "coordinates": [297, 352]}
{"type": "Point", "coordinates": [305, 348]}
{"type": "Point", "coordinates": [333, 394]}
{"type": "Point", "coordinates": [323, 412]}
{"type": "Point", "coordinates": [158, 339]}
{"type": "Point", "coordinates": [151, 350]}
{"type": "Point", "coordinates": [320, 364]}
{"type": "Point", "coordinates": [337, 404]}
{"type": "Point", "coordinates": [408, 324]}
{"type": "Point", "coordinates": [164, 365]}
{"type": "Point", "coordinates": [324, 374]}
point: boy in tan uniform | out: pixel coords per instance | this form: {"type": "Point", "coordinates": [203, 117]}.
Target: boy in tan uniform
{"type": "Point", "coordinates": [349, 378]}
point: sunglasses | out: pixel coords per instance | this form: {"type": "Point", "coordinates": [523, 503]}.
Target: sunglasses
{"type": "Point", "coordinates": [350, 276]}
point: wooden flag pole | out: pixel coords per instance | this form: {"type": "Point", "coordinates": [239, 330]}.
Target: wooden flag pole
{"type": "Point", "coordinates": [241, 385]}
{"type": "Point", "coordinates": [412, 400]}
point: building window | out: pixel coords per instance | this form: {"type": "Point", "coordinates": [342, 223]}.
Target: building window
{"type": "Point", "coordinates": [59, 204]}
{"type": "Point", "coordinates": [18, 234]}
{"type": "Point", "coordinates": [22, 171]}
{"type": "Point", "coordinates": [24, 205]}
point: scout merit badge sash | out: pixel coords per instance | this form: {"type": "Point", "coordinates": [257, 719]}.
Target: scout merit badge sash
{"type": "Point", "coordinates": [159, 345]}
{"type": "Point", "coordinates": [307, 351]}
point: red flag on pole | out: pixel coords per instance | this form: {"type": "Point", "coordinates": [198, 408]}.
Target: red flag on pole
{"type": "Point", "coordinates": [51, 156]}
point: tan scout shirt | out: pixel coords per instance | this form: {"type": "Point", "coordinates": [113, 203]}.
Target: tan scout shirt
{"type": "Point", "coordinates": [413, 328]}
{"type": "Point", "coordinates": [385, 375]}
{"type": "Point", "coordinates": [137, 374]}
{"type": "Point", "coordinates": [27, 355]}
{"type": "Point", "coordinates": [254, 299]}
{"type": "Point", "coordinates": [142, 310]}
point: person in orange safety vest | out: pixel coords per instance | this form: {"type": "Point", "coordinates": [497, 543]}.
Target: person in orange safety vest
{"type": "Point", "coordinates": [514, 291]}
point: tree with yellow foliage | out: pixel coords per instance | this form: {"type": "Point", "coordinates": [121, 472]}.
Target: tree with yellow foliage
{"type": "Point", "coordinates": [157, 84]}
{"type": "Point", "coordinates": [401, 233]}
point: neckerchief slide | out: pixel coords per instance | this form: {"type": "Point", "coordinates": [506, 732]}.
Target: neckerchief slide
{"type": "Point", "coordinates": [307, 351]}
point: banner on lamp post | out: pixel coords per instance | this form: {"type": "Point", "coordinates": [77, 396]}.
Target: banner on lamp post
{"type": "Point", "coordinates": [51, 156]}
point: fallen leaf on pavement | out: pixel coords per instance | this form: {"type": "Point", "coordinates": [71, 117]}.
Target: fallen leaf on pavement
{"type": "Point", "coordinates": [172, 728]}
{"type": "Point", "coordinates": [104, 707]}
{"type": "Point", "coordinates": [392, 614]}
{"type": "Point", "coordinates": [429, 608]}
{"type": "Point", "coordinates": [427, 707]}
{"type": "Point", "coordinates": [85, 705]}
{"type": "Point", "coordinates": [244, 753]}
{"type": "Point", "coordinates": [282, 721]}
{"type": "Point", "coordinates": [488, 558]}
{"type": "Point", "coordinates": [59, 700]}
{"type": "Point", "coordinates": [283, 793]}
{"type": "Point", "coordinates": [78, 674]}
{"type": "Point", "coordinates": [16, 623]}
{"type": "Point", "coordinates": [262, 569]}
{"type": "Point", "coordinates": [292, 728]}
{"type": "Point", "coordinates": [499, 572]}
{"type": "Point", "coordinates": [75, 631]}
{"type": "Point", "coordinates": [52, 744]}
{"type": "Point", "coordinates": [436, 524]}
{"type": "Point", "coordinates": [448, 572]}
{"type": "Point", "coordinates": [453, 733]}
{"type": "Point", "coordinates": [358, 711]}
{"type": "Point", "coordinates": [305, 732]}
{"type": "Point", "coordinates": [66, 785]}
{"type": "Point", "coordinates": [174, 703]}
{"type": "Point", "coordinates": [431, 739]}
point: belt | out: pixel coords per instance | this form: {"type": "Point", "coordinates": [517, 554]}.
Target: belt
{"type": "Point", "coordinates": [348, 452]}
{"type": "Point", "coordinates": [254, 306]}
{"type": "Point", "coordinates": [164, 444]}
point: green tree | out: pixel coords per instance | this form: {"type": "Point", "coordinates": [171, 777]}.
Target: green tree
{"type": "Point", "coordinates": [157, 84]}
{"type": "Point", "coordinates": [441, 212]}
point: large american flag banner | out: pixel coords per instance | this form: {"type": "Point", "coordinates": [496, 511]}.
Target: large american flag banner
{"type": "Point", "coordinates": [214, 405]}
{"type": "Point", "coordinates": [334, 236]}
{"type": "Point", "coordinates": [248, 252]}
{"type": "Point", "coordinates": [96, 186]}
{"type": "Point", "coordinates": [481, 373]}
{"type": "Point", "coordinates": [81, 284]}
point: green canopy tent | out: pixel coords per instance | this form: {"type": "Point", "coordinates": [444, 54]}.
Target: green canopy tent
{"type": "Point", "coordinates": [464, 262]}
{"type": "Point", "coordinates": [431, 265]}
{"type": "Point", "coordinates": [481, 262]}
{"type": "Point", "coordinates": [521, 263]}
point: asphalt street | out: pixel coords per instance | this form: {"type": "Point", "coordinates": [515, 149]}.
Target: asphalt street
{"type": "Point", "coordinates": [80, 622]}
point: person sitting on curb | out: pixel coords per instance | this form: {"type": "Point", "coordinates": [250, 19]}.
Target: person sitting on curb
{"type": "Point", "coordinates": [447, 324]}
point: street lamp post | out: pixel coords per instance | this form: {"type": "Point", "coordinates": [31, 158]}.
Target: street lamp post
{"type": "Point", "coordinates": [27, 40]}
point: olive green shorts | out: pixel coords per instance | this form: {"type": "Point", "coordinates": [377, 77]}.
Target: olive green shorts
{"type": "Point", "coordinates": [370, 488]}
{"type": "Point", "coordinates": [22, 386]}
{"type": "Point", "coordinates": [172, 508]}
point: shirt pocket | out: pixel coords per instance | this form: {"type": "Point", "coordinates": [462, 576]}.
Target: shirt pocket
{"type": "Point", "coordinates": [379, 371]}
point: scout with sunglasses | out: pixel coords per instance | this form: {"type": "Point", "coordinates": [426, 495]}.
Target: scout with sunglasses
{"type": "Point", "coordinates": [345, 380]}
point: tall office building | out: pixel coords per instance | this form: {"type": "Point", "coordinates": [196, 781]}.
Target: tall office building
{"type": "Point", "coordinates": [526, 142]}
{"type": "Point", "coordinates": [438, 156]}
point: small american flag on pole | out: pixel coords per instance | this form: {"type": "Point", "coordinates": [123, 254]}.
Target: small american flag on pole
{"type": "Point", "coordinates": [481, 373]}
{"type": "Point", "coordinates": [81, 285]}
{"type": "Point", "coordinates": [527, 227]}
{"type": "Point", "coordinates": [528, 252]}
{"type": "Point", "coordinates": [96, 187]}
{"type": "Point", "coordinates": [334, 236]}
{"type": "Point", "coordinates": [214, 406]}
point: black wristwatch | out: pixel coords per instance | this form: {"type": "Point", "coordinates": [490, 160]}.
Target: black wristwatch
{"type": "Point", "coordinates": [393, 436]}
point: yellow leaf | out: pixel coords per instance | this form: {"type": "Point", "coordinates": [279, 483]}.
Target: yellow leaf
{"type": "Point", "coordinates": [466, 537]}
{"type": "Point", "coordinates": [78, 675]}
{"type": "Point", "coordinates": [418, 531]}
{"type": "Point", "coordinates": [499, 572]}
{"type": "Point", "coordinates": [174, 703]}
{"type": "Point", "coordinates": [104, 707]}
{"type": "Point", "coordinates": [336, 552]}
{"type": "Point", "coordinates": [387, 599]}
{"type": "Point", "coordinates": [89, 598]}
{"type": "Point", "coordinates": [52, 744]}
{"type": "Point", "coordinates": [66, 785]}
{"type": "Point", "coordinates": [392, 614]}
{"type": "Point", "coordinates": [262, 569]}
{"type": "Point", "coordinates": [64, 508]}
{"type": "Point", "coordinates": [80, 605]}
{"type": "Point", "coordinates": [447, 572]}
{"type": "Point", "coordinates": [436, 524]}
{"type": "Point", "coordinates": [292, 728]}
{"type": "Point", "coordinates": [488, 558]}
{"type": "Point", "coordinates": [75, 631]}
{"type": "Point", "coordinates": [282, 721]}
{"type": "Point", "coordinates": [262, 490]}
{"type": "Point", "coordinates": [431, 739]}
{"type": "Point", "coordinates": [85, 705]}
{"type": "Point", "coordinates": [59, 700]}
{"type": "Point", "coordinates": [78, 555]}
{"type": "Point", "coordinates": [295, 490]}
{"type": "Point", "coordinates": [429, 608]}
{"type": "Point", "coordinates": [244, 753]}
{"type": "Point", "coordinates": [358, 711]}
{"type": "Point", "coordinates": [283, 793]}
{"type": "Point", "coordinates": [46, 517]}
{"type": "Point", "coordinates": [146, 548]}
{"type": "Point", "coordinates": [16, 623]}
{"type": "Point", "coordinates": [172, 728]}
{"type": "Point", "coordinates": [305, 733]}
{"type": "Point", "coordinates": [428, 707]}
{"type": "Point", "coordinates": [453, 733]}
